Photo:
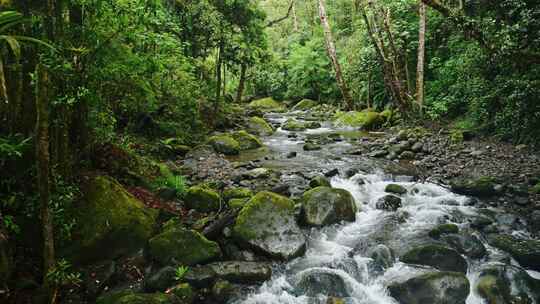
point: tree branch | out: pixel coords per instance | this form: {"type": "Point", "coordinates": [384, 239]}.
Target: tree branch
{"type": "Point", "coordinates": [276, 21]}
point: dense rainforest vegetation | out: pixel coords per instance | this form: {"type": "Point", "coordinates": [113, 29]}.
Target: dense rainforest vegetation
{"type": "Point", "coordinates": [122, 88]}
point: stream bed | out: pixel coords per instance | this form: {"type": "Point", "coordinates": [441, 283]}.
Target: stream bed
{"type": "Point", "coordinates": [339, 264]}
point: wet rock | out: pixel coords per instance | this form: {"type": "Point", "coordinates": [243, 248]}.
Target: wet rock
{"type": "Point", "coordinates": [322, 282]}
{"type": "Point", "coordinates": [437, 256]}
{"type": "Point", "coordinates": [319, 181]}
{"type": "Point", "coordinates": [312, 125]}
{"type": "Point", "coordinates": [526, 252]}
{"type": "Point", "coordinates": [223, 291]}
{"type": "Point", "coordinates": [180, 246]}
{"type": "Point", "coordinates": [293, 125]}
{"type": "Point", "coordinates": [364, 120]}
{"type": "Point", "coordinates": [417, 147]}
{"type": "Point", "coordinates": [110, 223]}
{"type": "Point", "coordinates": [433, 288]}
{"type": "Point", "coordinates": [395, 189]}
{"type": "Point", "coordinates": [161, 280]}
{"type": "Point", "coordinates": [183, 293]}
{"type": "Point", "coordinates": [325, 206]}
{"type": "Point", "coordinates": [388, 203]}
{"type": "Point", "coordinates": [443, 229]}
{"type": "Point", "coordinates": [500, 283]}
{"type": "Point", "coordinates": [202, 199]}
{"type": "Point", "coordinates": [236, 192]}
{"type": "Point", "coordinates": [291, 154]}
{"type": "Point", "coordinates": [130, 297]}
{"type": "Point", "coordinates": [466, 243]}
{"type": "Point", "coordinates": [258, 173]}
{"type": "Point", "coordinates": [282, 189]}
{"type": "Point", "coordinates": [224, 144]}
{"type": "Point", "coordinates": [311, 147]}
{"type": "Point", "coordinates": [483, 186]}
{"type": "Point", "coordinates": [378, 153]}
{"type": "Point", "coordinates": [382, 256]}
{"type": "Point", "coordinates": [236, 272]}
{"type": "Point", "coordinates": [232, 252]}
{"type": "Point", "coordinates": [246, 141]}
{"type": "Point", "coordinates": [407, 155]}
{"type": "Point", "coordinates": [259, 126]}
{"type": "Point", "coordinates": [332, 173]}
{"type": "Point", "coordinates": [334, 300]}
{"type": "Point", "coordinates": [267, 224]}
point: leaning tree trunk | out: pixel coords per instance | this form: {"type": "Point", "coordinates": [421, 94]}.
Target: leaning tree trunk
{"type": "Point", "coordinates": [421, 57]}
{"type": "Point", "coordinates": [4, 99]}
{"type": "Point", "coordinates": [331, 50]}
{"type": "Point", "coordinates": [242, 83]}
{"type": "Point", "coordinates": [43, 166]}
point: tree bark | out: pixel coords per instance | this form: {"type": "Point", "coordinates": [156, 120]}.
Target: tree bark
{"type": "Point", "coordinates": [218, 77]}
{"type": "Point", "coordinates": [4, 99]}
{"type": "Point", "coordinates": [331, 50]}
{"type": "Point", "coordinates": [43, 166]}
{"type": "Point", "coordinates": [241, 83]}
{"type": "Point", "coordinates": [421, 57]}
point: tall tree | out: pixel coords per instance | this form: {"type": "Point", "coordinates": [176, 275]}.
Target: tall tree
{"type": "Point", "coordinates": [331, 50]}
{"type": "Point", "coordinates": [421, 55]}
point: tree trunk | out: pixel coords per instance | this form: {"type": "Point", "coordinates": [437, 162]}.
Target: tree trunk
{"type": "Point", "coordinates": [4, 99]}
{"type": "Point", "coordinates": [421, 57]}
{"type": "Point", "coordinates": [218, 78]}
{"type": "Point", "coordinates": [242, 83]}
{"type": "Point", "coordinates": [331, 50]}
{"type": "Point", "coordinates": [295, 17]}
{"type": "Point", "coordinates": [43, 166]}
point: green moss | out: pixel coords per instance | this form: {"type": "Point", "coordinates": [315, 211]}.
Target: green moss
{"type": "Point", "coordinates": [128, 297]}
{"type": "Point", "coordinates": [259, 126]}
{"type": "Point", "coordinates": [266, 104]}
{"type": "Point", "coordinates": [304, 104]}
{"type": "Point", "coordinates": [231, 193]}
{"type": "Point", "coordinates": [244, 222]}
{"type": "Point", "coordinates": [224, 144]}
{"type": "Point", "coordinates": [293, 125]}
{"type": "Point", "coordinates": [365, 120]}
{"type": "Point", "coordinates": [184, 292]}
{"type": "Point", "coordinates": [182, 246]}
{"type": "Point", "coordinates": [536, 189]}
{"type": "Point", "coordinates": [443, 229]}
{"type": "Point", "coordinates": [247, 141]}
{"type": "Point", "coordinates": [237, 203]}
{"type": "Point", "coordinates": [110, 222]}
{"type": "Point", "coordinates": [202, 199]}
{"type": "Point", "coordinates": [488, 288]}
{"type": "Point", "coordinates": [395, 188]}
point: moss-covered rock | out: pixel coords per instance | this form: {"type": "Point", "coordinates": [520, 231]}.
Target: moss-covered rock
{"type": "Point", "coordinates": [304, 104]}
{"type": "Point", "coordinates": [536, 189]}
{"type": "Point", "coordinates": [396, 189]}
{"type": "Point", "coordinates": [325, 206]}
{"type": "Point", "coordinates": [364, 120]}
{"type": "Point", "coordinates": [388, 202]}
{"type": "Point", "coordinates": [180, 246]}
{"type": "Point", "coordinates": [319, 181]}
{"type": "Point", "coordinates": [202, 199]}
{"type": "Point", "coordinates": [129, 297]}
{"type": "Point", "coordinates": [388, 116]}
{"type": "Point", "coordinates": [110, 222]}
{"type": "Point", "coordinates": [222, 291]}
{"type": "Point", "coordinates": [267, 223]}
{"type": "Point", "coordinates": [259, 126]}
{"type": "Point", "coordinates": [465, 242]}
{"type": "Point", "coordinates": [482, 186]}
{"type": "Point", "coordinates": [311, 147]}
{"type": "Point", "coordinates": [237, 192]}
{"type": "Point", "coordinates": [247, 141]}
{"type": "Point", "coordinates": [443, 229]}
{"type": "Point", "coordinates": [433, 288]}
{"type": "Point", "coordinates": [238, 203]}
{"type": "Point", "coordinates": [266, 104]}
{"type": "Point", "coordinates": [526, 252]}
{"type": "Point", "coordinates": [293, 125]}
{"type": "Point", "coordinates": [183, 293]}
{"type": "Point", "coordinates": [437, 256]}
{"type": "Point", "coordinates": [498, 283]}
{"type": "Point", "coordinates": [225, 144]}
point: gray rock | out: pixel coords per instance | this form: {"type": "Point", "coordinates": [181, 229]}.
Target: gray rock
{"type": "Point", "coordinates": [500, 283]}
{"type": "Point", "coordinates": [526, 252]}
{"type": "Point", "coordinates": [320, 282]}
{"type": "Point", "coordinates": [432, 288]}
{"type": "Point", "coordinates": [325, 206]}
{"type": "Point", "coordinates": [436, 256]}
{"type": "Point", "coordinates": [466, 243]}
{"type": "Point", "coordinates": [232, 271]}
{"type": "Point", "coordinates": [319, 181]}
{"type": "Point", "coordinates": [311, 147]}
{"type": "Point", "coordinates": [382, 256]}
{"type": "Point", "coordinates": [417, 147]}
{"type": "Point", "coordinates": [388, 203]}
{"type": "Point", "coordinates": [407, 155]}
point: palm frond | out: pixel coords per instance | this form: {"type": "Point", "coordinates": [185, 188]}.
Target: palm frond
{"type": "Point", "coordinates": [13, 44]}
{"type": "Point", "coordinates": [34, 40]}
{"type": "Point", "coordinates": [9, 17]}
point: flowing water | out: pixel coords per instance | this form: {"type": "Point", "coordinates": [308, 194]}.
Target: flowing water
{"type": "Point", "coordinates": [340, 250]}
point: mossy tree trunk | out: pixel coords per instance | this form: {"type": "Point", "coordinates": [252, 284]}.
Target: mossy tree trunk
{"type": "Point", "coordinates": [242, 83]}
{"type": "Point", "coordinates": [421, 56]}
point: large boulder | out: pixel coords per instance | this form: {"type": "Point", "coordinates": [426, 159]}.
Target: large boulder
{"type": "Point", "coordinates": [465, 243]}
{"type": "Point", "coordinates": [202, 199]}
{"type": "Point", "coordinates": [247, 141]}
{"type": "Point", "coordinates": [225, 144]}
{"type": "Point", "coordinates": [304, 104]}
{"type": "Point", "coordinates": [232, 271]}
{"type": "Point", "coordinates": [388, 202]}
{"type": "Point", "coordinates": [481, 186]}
{"type": "Point", "coordinates": [326, 206]}
{"type": "Point", "coordinates": [432, 288]}
{"type": "Point", "coordinates": [395, 189]}
{"type": "Point", "coordinates": [266, 104]}
{"type": "Point", "coordinates": [365, 120]}
{"type": "Point", "coordinates": [437, 256]}
{"type": "Point", "coordinates": [259, 126]}
{"type": "Point", "coordinates": [319, 281]}
{"type": "Point", "coordinates": [526, 252]}
{"type": "Point", "coordinates": [267, 223]}
{"type": "Point", "coordinates": [110, 222]}
{"type": "Point", "coordinates": [498, 283]}
{"type": "Point", "coordinates": [179, 246]}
